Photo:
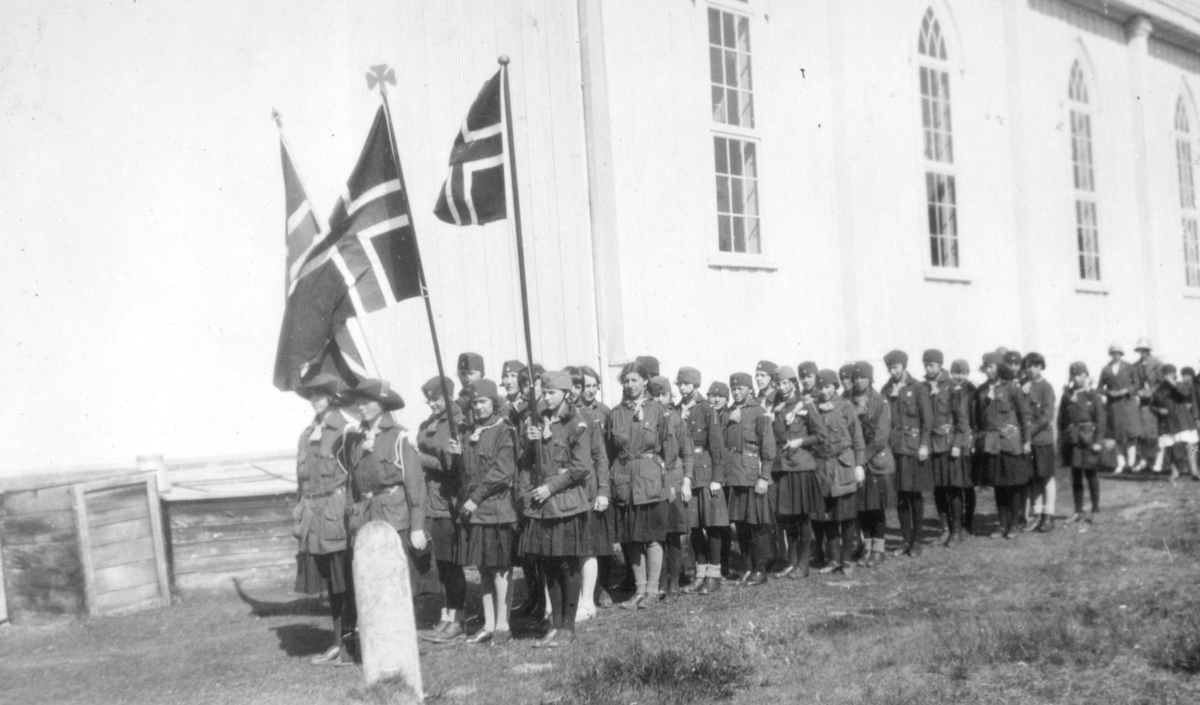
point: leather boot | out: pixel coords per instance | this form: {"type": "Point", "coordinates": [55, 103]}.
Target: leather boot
{"type": "Point", "coordinates": [944, 537]}
{"type": "Point", "coordinates": [1047, 524]}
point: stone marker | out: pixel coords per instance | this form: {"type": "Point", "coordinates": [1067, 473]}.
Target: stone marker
{"type": "Point", "coordinates": [387, 631]}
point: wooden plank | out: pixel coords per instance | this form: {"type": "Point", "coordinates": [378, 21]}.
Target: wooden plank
{"type": "Point", "coordinates": [48, 555]}
{"type": "Point", "coordinates": [121, 553]}
{"type": "Point", "coordinates": [118, 483]}
{"type": "Point", "coordinates": [247, 577]}
{"type": "Point", "coordinates": [160, 546]}
{"type": "Point", "coordinates": [119, 577]}
{"type": "Point", "coordinates": [128, 597]}
{"type": "Point", "coordinates": [120, 531]}
{"type": "Point", "coordinates": [209, 564]}
{"type": "Point", "coordinates": [272, 513]}
{"type": "Point", "coordinates": [233, 507]}
{"type": "Point", "coordinates": [85, 552]}
{"type": "Point", "coordinates": [127, 513]}
{"type": "Point", "coordinates": [56, 526]}
{"type": "Point", "coordinates": [36, 578]}
{"type": "Point", "coordinates": [197, 534]}
{"type": "Point", "coordinates": [110, 499]}
{"type": "Point", "coordinates": [233, 545]}
{"type": "Point", "coordinates": [46, 601]}
{"type": "Point", "coordinates": [44, 500]}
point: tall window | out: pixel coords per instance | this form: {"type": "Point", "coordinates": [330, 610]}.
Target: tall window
{"type": "Point", "coordinates": [1086, 232]}
{"type": "Point", "coordinates": [735, 143]}
{"type": "Point", "coordinates": [1187, 196]}
{"type": "Point", "coordinates": [941, 201]}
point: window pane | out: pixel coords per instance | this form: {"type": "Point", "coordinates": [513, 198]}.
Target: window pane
{"type": "Point", "coordinates": [716, 66]}
{"type": "Point", "coordinates": [735, 157]}
{"type": "Point", "coordinates": [724, 234]}
{"type": "Point", "coordinates": [723, 194]}
{"type": "Point", "coordinates": [743, 37]}
{"type": "Point", "coordinates": [721, 154]}
{"type": "Point", "coordinates": [753, 244]}
{"type": "Point", "coordinates": [750, 160]}
{"type": "Point", "coordinates": [747, 109]}
{"type": "Point", "coordinates": [751, 187]}
{"type": "Point", "coordinates": [727, 23]}
{"type": "Point", "coordinates": [733, 116]}
{"type": "Point", "coordinates": [737, 199]}
{"type": "Point", "coordinates": [718, 104]}
{"type": "Point", "coordinates": [714, 27]}
{"type": "Point", "coordinates": [739, 234]}
{"type": "Point", "coordinates": [731, 68]}
{"type": "Point", "coordinates": [744, 81]}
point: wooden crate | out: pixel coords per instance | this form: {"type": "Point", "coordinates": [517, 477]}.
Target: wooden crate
{"type": "Point", "coordinates": [93, 547]}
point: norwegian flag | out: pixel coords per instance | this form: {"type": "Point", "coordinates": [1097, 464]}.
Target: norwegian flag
{"type": "Point", "coordinates": [473, 193]}
{"type": "Point", "coordinates": [366, 260]}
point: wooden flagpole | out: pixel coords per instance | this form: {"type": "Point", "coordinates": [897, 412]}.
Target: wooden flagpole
{"type": "Point", "coordinates": [384, 75]}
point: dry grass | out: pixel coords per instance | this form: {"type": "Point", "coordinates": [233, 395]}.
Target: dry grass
{"type": "Point", "coordinates": [1110, 615]}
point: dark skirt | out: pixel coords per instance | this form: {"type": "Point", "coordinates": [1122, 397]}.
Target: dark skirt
{"type": "Point", "coordinates": [948, 471]}
{"type": "Point", "coordinates": [1082, 457]}
{"type": "Point", "coordinates": [877, 492]}
{"type": "Point", "coordinates": [1001, 470]}
{"type": "Point", "coordinates": [641, 523]}
{"type": "Point", "coordinates": [677, 516]}
{"type": "Point", "coordinates": [707, 510]}
{"type": "Point", "coordinates": [844, 508]}
{"type": "Point", "coordinates": [748, 507]}
{"type": "Point", "coordinates": [326, 572]}
{"type": "Point", "coordinates": [485, 545]}
{"type": "Point", "coordinates": [602, 532]}
{"type": "Point", "coordinates": [795, 493]}
{"type": "Point", "coordinates": [442, 540]}
{"type": "Point", "coordinates": [912, 475]}
{"type": "Point", "coordinates": [1124, 421]}
{"type": "Point", "coordinates": [566, 537]}
{"type": "Point", "coordinates": [1043, 462]}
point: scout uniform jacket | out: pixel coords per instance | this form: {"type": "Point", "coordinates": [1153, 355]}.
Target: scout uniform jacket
{"type": "Point", "coordinates": [599, 484]}
{"type": "Point", "coordinates": [1002, 415]}
{"type": "Point", "coordinates": [679, 444]}
{"type": "Point", "coordinates": [1170, 405]}
{"type": "Point", "coordinates": [912, 415]}
{"type": "Point", "coordinates": [842, 449]}
{"type": "Point", "coordinates": [1126, 378]}
{"type": "Point", "coordinates": [708, 445]}
{"type": "Point", "coordinates": [386, 475]}
{"type": "Point", "coordinates": [951, 425]}
{"type": "Point", "coordinates": [489, 458]}
{"type": "Point", "coordinates": [319, 518]}
{"type": "Point", "coordinates": [563, 465]}
{"type": "Point", "coordinates": [875, 421]}
{"type": "Point", "coordinates": [637, 437]}
{"type": "Point", "coordinates": [797, 419]}
{"type": "Point", "coordinates": [443, 471]}
{"type": "Point", "coordinates": [749, 444]}
{"type": "Point", "coordinates": [1081, 418]}
{"type": "Point", "coordinates": [1040, 396]}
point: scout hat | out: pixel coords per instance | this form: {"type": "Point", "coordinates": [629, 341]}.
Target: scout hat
{"type": "Point", "coordinates": [1078, 368]}
{"type": "Point", "coordinates": [650, 363]}
{"type": "Point", "coordinates": [960, 367]}
{"type": "Point", "coordinates": [659, 385]}
{"type": "Point", "coordinates": [740, 379]}
{"type": "Point", "coordinates": [433, 388]}
{"type": "Point", "coordinates": [512, 367]}
{"type": "Point", "coordinates": [846, 370]}
{"type": "Point", "coordinates": [485, 388]}
{"type": "Point", "coordinates": [896, 357]}
{"type": "Point", "coordinates": [557, 379]}
{"type": "Point", "coordinates": [784, 372]}
{"type": "Point", "coordinates": [765, 366]}
{"type": "Point", "coordinates": [992, 358]}
{"type": "Point", "coordinates": [1012, 357]}
{"type": "Point", "coordinates": [688, 375]}
{"type": "Point", "coordinates": [827, 378]}
{"type": "Point", "coordinates": [1167, 369]}
{"type": "Point", "coordinates": [807, 368]}
{"type": "Point", "coordinates": [1187, 372]}
{"type": "Point", "coordinates": [323, 384]}
{"type": "Point", "coordinates": [933, 355]}
{"type": "Point", "coordinates": [377, 390]}
{"type": "Point", "coordinates": [863, 369]}
{"type": "Point", "coordinates": [471, 362]}
{"type": "Point", "coordinates": [1115, 347]}
{"type": "Point", "coordinates": [719, 389]}
{"type": "Point", "coordinates": [1033, 358]}
{"type": "Point", "coordinates": [1143, 343]}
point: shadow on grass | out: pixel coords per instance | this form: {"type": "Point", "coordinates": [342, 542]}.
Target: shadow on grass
{"type": "Point", "coordinates": [632, 672]}
{"type": "Point", "coordinates": [303, 639]}
{"type": "Point", "coordinates": [300, 607]}
{"type": "Point", "coordinates": [393, 690]}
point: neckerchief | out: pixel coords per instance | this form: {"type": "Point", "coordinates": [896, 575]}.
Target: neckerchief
{"type": "Point", "coordinates": [318, 428]}
{"type": "Point", "coordinates": [735, 412]}
{"type": "Point", "coordinates": [636, 405]}
{"type": "Point", "coordinates": [685, 406]}
{"type": "Point", "coordinates": [898, 385]}
{"type": "Point", "coordinates": [480, 429]}
{"type": "Point", "coordinates": [369, 432]}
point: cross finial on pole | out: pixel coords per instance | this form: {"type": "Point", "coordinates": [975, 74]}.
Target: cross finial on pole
{"type": "Point", "coordinates": [381, 75]}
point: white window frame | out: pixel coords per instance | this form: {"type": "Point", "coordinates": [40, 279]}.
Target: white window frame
{"type": "Point", "coordinates": [1189, 217]}
{"type": "Point", "coordinates": [1081, 111]}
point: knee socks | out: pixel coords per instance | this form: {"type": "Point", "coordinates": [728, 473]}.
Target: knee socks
{"type": "Point", "coordinates": [669, 579]}
{"type": "Point", "coordinates": [849, 530]}
{"type": "Point", "coordinates": [654, 566]}
{"type": "Point", "coordinates": [563, 580]}
{"type": "Point", "coordinates": [454, 583]}
{"type": "Point", "coordinates": [763, 534]}
{"type": "Point", "coordinates": [969, 499]}
{"type": "Point", "coordinates": [912, 513]}
{"type": "Point", "coordinates": [941, 499]}
{"type": "Point", "coordinates": [1003, 502]}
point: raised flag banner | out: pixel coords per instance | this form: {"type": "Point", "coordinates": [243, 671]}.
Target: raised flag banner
{"type": "Point", "coordinates": [473, 193]}
{"type": "Point", "coordinates": [365, 261]}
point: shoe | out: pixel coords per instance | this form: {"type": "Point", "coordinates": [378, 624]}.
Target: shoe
{"type": "Point", "coordinates": [847, 569]}
{"type": "Point", "coordinates": [453, 632]}
{"type": "Point", "coordinates": [902, 549]}
{"type": "Point", "coordinates": [696, 587]}
{"type": "Point", "coordinates": [1046, 525]}
{"type": "Point", "coordinates": [653, 599]}
{"type": "Point", "coordinates": [334, 656]}
{"type": "Point", "coordinates": [546, 640]}
{"type": "Point", "coordinates": [500, 637]}
{"type": "Point", "coordinates": [583, 615]}
{"type": "Point", "coordinates": [756, 578]}
{"type": "Point", "coordinates": [1075, 518]}
{"type": "Point", "coordinates": [1088, 518]}
{"type": "Point", "coordinates": [1141, 465]}
{"type": "Point", "coordinates": [915, 549]}
{"type": "Point", "coordinates": [944, 537]}
{"type": "Point", "coordinates": [860, 551]}
{"type": "Point", "coordinates": [432, 634]}
{"type": "Point", "coordinates": [799, 573]}
{"type": "Point", "coordinates": [604, 600]}
{"type": "Point", "coordinates": [564, 637]}
{"type": "Point", "coordinates": [787, 570]}
{"type": "Point", "coordinates": [1196, 477]}
{"type": "Point", "coordinates": [1119, 469]}
{"type": "Point", "coordinates": [710, 586]}
{"type": "Point", "coordinates": [870, 561]}
{"type": "Point", "coordinates": [829, 568]}
{"type": "Point", "coordinates": [1038, 521]}
{"type": "Point", "coordinates": [633, 602]}
{"type": "Point", "coordinates": [998, 534]}
{"type": "Point", "coordinates": [480, 637]}
{"type": "Point", "coordinates": [1174, 476]}
{"type": "Point", "coordinates": [670, 598]}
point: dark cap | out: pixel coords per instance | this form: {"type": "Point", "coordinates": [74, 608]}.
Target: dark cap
{"type": "Point", "coordinates": [471, 362]}
{"type": "Point", "coordinates": [433, 388]}
{"type": "Point", "coordinates": [485, 388]}
{"type": "Point", "coordinates": [1078, 368]}
{"type": "Point", "coordinates": [512, 367]}
{"type": "Point", "coordinates": [741, 379]}
{"type": "Point", "coordinates": [1034, 358]}
{"type": "Point", "coordinates": [377, 390]}
{"type": "Point", "coordinates": [650, 363]}
{"type": "Point", "coordinates": [659, 386]}
{"type": "Point", "coordinates": [846, 370]}
{"type": "Point", "coordinates": [766, 366]}
{"type": "Point", "coordinates": [993, 358]}
{"type": "Point", "coordinates": [1167, 369]}
{"type": "Point", "coordinates": [827, 378]}
{"type": "Point", "coordinates": [557, 379]}
{"type": "Point", "coordinates": [863, 369]}
{"type": "Point", "coordinates": [933, 355]}
{"type": "Point", "coordinates": [784, 372]}
{"type": "Point", "coordinates": [960, 367]}
{"type": "Point", "coordinates": [808, 367]}
{"type": "Point", "coordinates": [719, 389]}
{"type": "Point", "coordinates": [1012, 357]}
{"type": "Point", "coordinates": [688, 375]}
{"type": "Point", "coordinates": [896, 357]}
{"type": "Point", "coordinates": [1187, 372]}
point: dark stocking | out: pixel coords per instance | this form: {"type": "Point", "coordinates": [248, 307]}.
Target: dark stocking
{"type": "Point", "coordinates": [969, 500]}
{"type": "Point", "coordinates": [454, 583]}
{"type": "Point", "coordinates": [763, 534]}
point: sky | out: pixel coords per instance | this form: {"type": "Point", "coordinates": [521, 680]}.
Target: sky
{"type": "Point", "coordinates": [142, 279]}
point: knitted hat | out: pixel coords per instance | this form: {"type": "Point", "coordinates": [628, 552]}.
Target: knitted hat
{"type": "Point", "coordinates": [960, 367]}
{"type": "Point", "coordinates": [688, 375]}
{"type": "Point", "coordinates": [784, 372]}
{"type": "Point", "coordinates": [471, 362]}
{"type": "Point", "coordinates": [933, 355]}
{"type": "Point", "coordinates": [1078, 368]}
{"type": "Point", "coordinates": [557, 379]}
{"type": "Point", "coordinates": [827, 378]}
{"type": "Point", "coordinates": [766, 366]}
{"type": "Point", "coordinates": [741, 379]}
{"type": "Point", "coordinates": [512, 367]}
{"type": "Point", "coordinates": [992, 358]}
{"type": "Point", "coordinates": [659, 386]}
{"type": "Point", "coordinates": [719, 389]}
{"type": "Point", "coordinates": [650, 363]}
{"type": "Point", "coordinates": [485, 388]}
{"type": "Point", "coordinates": [846, 370]}
{"type": "Point", "coordinates": [808, 367]}
{"type": "Point", "coordinates": [433, 388]}
{"type": "Point", "coordinates": [863, 369]}
{"type": "Point", "coordinates": [896, 357]}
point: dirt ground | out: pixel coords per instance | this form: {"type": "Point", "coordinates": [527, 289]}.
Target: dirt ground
{"type": "Point", "coordinates": [1106, 615]}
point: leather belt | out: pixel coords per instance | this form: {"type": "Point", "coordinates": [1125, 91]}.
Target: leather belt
{"type": "Point", "coordinates": [389, 489]}
{"type": "Point", "coordinates": [320, 495]}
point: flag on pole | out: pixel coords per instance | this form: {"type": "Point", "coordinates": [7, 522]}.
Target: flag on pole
{"type": "Point", "coordinates": [473, 193]}
{"type": "Point", "coordinates": [366, 260]}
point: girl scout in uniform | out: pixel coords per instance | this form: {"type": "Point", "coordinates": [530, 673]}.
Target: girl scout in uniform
{"type": "Point", "coordinates": [679, 486]}
{"type": "Point", "coordinates": [840, 471]}
{"type": "Point", "coordinates": [487, 515]}
{"type": "Point", "coordinates": [750, 442]}
{"type": "Point", "coordinates": [555, 488]}
{"type": "Point", "coordinates": [795, 493]}
{"type": "Point", "coordinates": [912, 421]}
{"type": "Point", "coordinates": [950, 437]}
{"type": "Point", "coordinates": [708, 515]}
{"type": "Point", "coordinates": [1082, 423]}
{"type": "Point", "coordinates": [601, 534]}
{"type": "Point", "coordinates": [1002, 435]}
{"type": "Point", "coordinates": [878, 490]}
{"type": "Point", "coordinates": [1043, 489]}
{"type": "Point", "coordinates": [320, 514]}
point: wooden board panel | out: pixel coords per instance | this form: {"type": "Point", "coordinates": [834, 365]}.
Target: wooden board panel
{"type": "Point", "coordinates": [36, 501]}
{"type": "Point", "coordinates": [193, 516]}
{"type": "Point", "coordinates": [208, 564]}
{"type": "Point", "coordinates": [246, 577]}
{"type": "Point", "coordinates": [182, 536]}
{"type": "Point", "coordinates": [125, 576]}
{"type": "Point", "coordinates": [57, 526]}
{"type": "Point", "coordinates": [49, 601]}
{"type": "Point", "coordinates": [99, 501]}
{"type": "Point", "coordinates": [121, 553]}
{"type": "Point", "coordinates": [57, 556]}
{"type": "Point", "coordinates": [121, 531]}
{"type": "Point", "coordinates": [112, 516]}
{"type": "Point", "coordinates": [233, 546]}
{"type": "Point", "coordinates": [233, 507]}
{"type": "Point", "coordinates": [114, 601]}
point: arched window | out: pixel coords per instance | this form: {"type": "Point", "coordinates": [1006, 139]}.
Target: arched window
{"type": "Point", "coordinates": [1087, 233]}
{"type": "Point", "coordinates": [941, 202]}
{"type": "Point", "coordinates": [1187, 195]}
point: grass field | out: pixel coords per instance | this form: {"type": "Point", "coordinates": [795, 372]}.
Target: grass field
{"type": "Point", "coordinates": [1110, 615]}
